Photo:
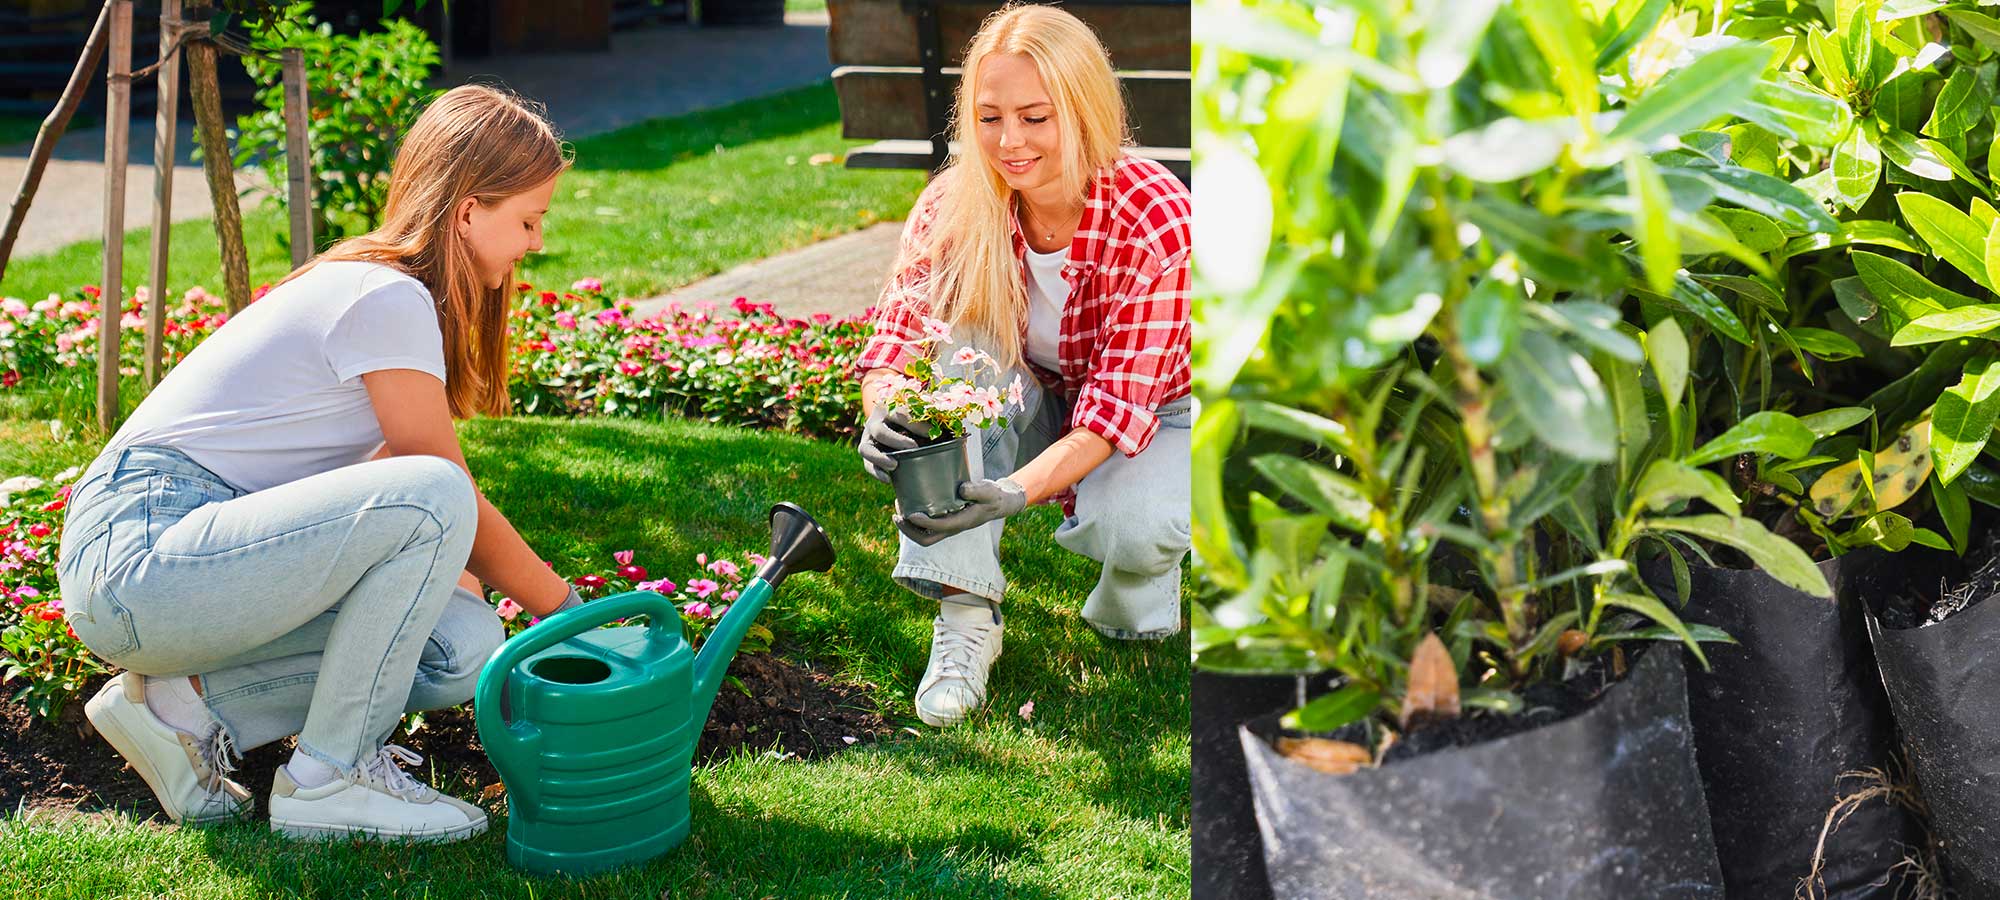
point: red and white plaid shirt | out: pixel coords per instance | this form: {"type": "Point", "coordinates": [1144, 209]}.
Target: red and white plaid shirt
{"type": "Point", "coordinates": [1123, 345]}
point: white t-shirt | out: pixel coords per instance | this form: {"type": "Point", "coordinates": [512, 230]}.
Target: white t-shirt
{"type": "Point", "coordinates": [1047, 292]}
{"type": "Point", "coordinates": [275, 394]}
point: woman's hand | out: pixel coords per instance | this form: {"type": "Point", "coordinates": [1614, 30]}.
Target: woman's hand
{"type": "Point", "coordinates": [416, 421]}
{"type": "Point", "coordinates": [1063, 464]}
{"type": "Point", "coordinates": [986, 501]}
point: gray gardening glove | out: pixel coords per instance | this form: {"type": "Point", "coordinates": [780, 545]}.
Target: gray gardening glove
{"type": "Point", "coordinates": [886, 430]}
{"type": "Point", "coordinates": [986, 501]}
{"type": "Point", "coordinates": [570, 602]}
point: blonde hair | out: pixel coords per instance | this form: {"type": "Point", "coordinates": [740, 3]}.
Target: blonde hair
{"type": "Point", "coordinates": [472, 141]}
{"type": "Point", "coordinates": [975, 275]}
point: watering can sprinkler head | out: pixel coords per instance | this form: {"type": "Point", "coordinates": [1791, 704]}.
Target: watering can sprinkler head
{"type": "Point", "coordinates": [797, 545]}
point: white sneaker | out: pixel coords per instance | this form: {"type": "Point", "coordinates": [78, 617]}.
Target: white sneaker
{"type": "Point", "coordinates": [186, 772]}
{"type": "Point", "coordinates": [965, 639]}
{"type": "Point", "coordinates": [378, 798]}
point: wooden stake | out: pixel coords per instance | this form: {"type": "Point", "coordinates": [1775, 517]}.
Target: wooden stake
{"type": "Point", "coordinates": [206, 95]}
{"type": "Point", "coordinates": [52, 128]}
{"type": "Point", "coordinates": [117, 152]}
{"type": "Point", "coordinates": [166, 123]}
{"type": "Point", "coordinates": [298, 155]}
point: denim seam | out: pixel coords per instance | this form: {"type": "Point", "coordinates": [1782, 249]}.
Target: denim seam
{"type": "Point", "coordinates": [277, 537]}
{"type": "Point", "coordinates": [402, 629]}
{"type": "Point", "coordinates": [931, 573]}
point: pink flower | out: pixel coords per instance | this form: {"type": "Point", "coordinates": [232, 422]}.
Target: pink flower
{"type": "Point", "coordinates": [628, 367]}
{"type": "Point", "coordinates": [39, 530]}
{"type": "Point", "coordinates": [757, 560]}
{"type": "Point", "coordinates": [509, 609]}
{"type": "Point", "coordinates": [587, 284]}
{"type": "Point", "coordinates": [724, 568]}
{"type": "Point", "coordinates": [702, 587]}
{"type": "Point", "coordinates": [701, 559]}
{"type": "Point", "coordinates": [936, 329]}
{"type": "Point", "coordinates": [566, 320]}
{"type": "Point", "coordinates": [729, 595]}
{"type": "Point", "coordinates": [662, 586]}
{"type": "Point", "coordinates": [722, 610]}
{"type": "Point", "coordinates": [698, 609]}
{"type": "Point", "coordinates": [967, 356]}
{"type": "Point", "coordinates": [27, 592]}
{"type": "Point", "coordinates": [624, 557]}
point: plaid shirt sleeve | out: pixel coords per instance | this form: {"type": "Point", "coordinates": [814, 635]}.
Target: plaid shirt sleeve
{"type": "Point", "coordinates": [1143, 357]}
{"type": "Point", "coordinates": [906, 298]}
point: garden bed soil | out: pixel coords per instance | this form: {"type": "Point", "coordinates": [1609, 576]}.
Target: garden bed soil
{"type": "Point", "coordinates": [789, 708]}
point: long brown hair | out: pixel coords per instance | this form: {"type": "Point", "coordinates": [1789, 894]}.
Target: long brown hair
{"type": "Point", "coordinates": [472, 141]}
{"type": "Point", "coordinates": [977, 279]}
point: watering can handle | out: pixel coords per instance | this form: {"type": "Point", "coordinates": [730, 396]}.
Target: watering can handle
{"type": "Point", "coordinates": [552, 631]}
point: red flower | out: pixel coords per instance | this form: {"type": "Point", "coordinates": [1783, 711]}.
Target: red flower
{"type": "Point", "coordinates": [53, 506]}
{"type": "Point", "coordinates": [11, 378]}
{"type": "Point", "coordinates": [91, 291]}
{"type": "Point", "coordinates": [590, 581]}
{"type": "Point", "coordinates": [523, 287]}
{"type": "Point", "coordinates": [259, 293]}
{"type": "Point", "coordinates": [549, 298]}
{"type": "Point", "coordinates": [632, 573]}
{"type": "Point", "coordinates": [39, 530]}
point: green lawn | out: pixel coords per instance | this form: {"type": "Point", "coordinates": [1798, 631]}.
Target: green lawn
{"type": "Point", "coordinates": [1089, 799]}
{"type": "Point", "coordinates": [20, 129]}
{"type": "Point", "coordinates": [647, 208]}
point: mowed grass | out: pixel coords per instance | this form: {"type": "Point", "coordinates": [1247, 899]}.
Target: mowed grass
{"type": "Point", "coordinates": [1088, 798]}
{"type": "Point", "coordinates": [647, 208]}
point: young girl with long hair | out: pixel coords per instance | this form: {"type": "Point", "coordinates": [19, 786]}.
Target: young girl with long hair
{"type": "Point", "coordinates": [284, 538]}
{"type": "Point", "coordinates": [1049, 247]}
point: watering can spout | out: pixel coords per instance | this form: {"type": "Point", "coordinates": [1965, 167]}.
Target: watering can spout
{"type": "Point", "coordinates": [797, 545]}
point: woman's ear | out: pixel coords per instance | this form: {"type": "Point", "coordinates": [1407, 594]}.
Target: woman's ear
{"type": "Point", "coordinates": [461, 217]}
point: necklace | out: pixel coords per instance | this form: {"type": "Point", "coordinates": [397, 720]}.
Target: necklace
{"type": "Point", "coordinates": [1048, 234]}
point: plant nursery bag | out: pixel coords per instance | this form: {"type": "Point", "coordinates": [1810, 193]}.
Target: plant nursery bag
{"type": "Point", "coordinates": [1605, 803]}
{"type": "Point", "coordinates": [1228, 858]}
{"type": "Point", "coordinates": [1778, 718]}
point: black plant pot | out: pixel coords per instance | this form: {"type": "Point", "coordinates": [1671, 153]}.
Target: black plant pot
{"type": "Point", "coordinates": [927, 477]}
{"type": "Point", "coordinates": [1778, 717]}
{"type": "Point", "coordinates": [1228, 857]}
{"type": "Point", "coordinates": [1606, 803]}
{"type": "Point", "coordinates": [1944, 683]}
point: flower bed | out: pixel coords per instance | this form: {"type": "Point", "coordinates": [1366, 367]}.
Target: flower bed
{"type": "Point", "coordinates": [575, 353]}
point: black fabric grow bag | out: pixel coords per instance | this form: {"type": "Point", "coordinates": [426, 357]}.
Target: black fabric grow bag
{"type": "Point", "coordinates": [1606, 803]}
{"type": "Point", "coordinates": [1944, 683]}
{"type": "Point", "coordinates": [1777, 719]}
{"type": "Point", "coordinates": [1228, 859]}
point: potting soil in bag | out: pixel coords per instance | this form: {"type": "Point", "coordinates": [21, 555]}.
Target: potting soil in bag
{"type": "Point", "coordinates": [1944, 684]}
{"type": "Point", "coordinates": [1778, 718]}
{"type": "Point", "coordinates": [1604, 804]}
{"type": "Point", "coordinates": [1228, 859]}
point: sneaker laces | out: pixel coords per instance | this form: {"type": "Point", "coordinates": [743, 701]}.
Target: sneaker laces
{"type": "Point", "coordinates": [956, 648]}
{"type": "Point", "coordinates": [385, 770]}
{"type": "Point", "coordinates": [217, 755]}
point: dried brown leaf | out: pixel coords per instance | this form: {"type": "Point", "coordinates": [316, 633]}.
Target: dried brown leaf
{"type": "Point", "coordinates": [1433, 689]}
{"type": "Point", "coordinates": [492, 790]}
{"type": "Point", "coordinates": [1323, 755]}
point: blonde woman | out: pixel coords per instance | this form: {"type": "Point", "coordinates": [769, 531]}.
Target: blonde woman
{"type": "Point", "coordinates": [1049, 247]}
{"type": "Point", "coordinates": [273, 544]}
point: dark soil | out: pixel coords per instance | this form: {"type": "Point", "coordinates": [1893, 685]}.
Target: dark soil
{"type": "Point", "coordinates": [1920, 605]}
{"type": "Point", "coordinates": [1544, 704]}
{"type": "Point", "coordinates": [789, 708]}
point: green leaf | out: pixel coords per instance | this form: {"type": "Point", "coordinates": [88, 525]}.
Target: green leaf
{"type": "Point", "coordinates": [1904, 290]}
{"type": "Point", "coordinates": [1451, 37]}
{"type": "Point", "coordinates": [1325, 491]}
{"type": "Point", "coordinates": [1776, 433]}
{"type": "Point", "coordinates": [1507, 149]}
{"type": "Point", "coordinates": [1914, 155]}
{"type": "Point", "coordinates": [1981, 28]}
{"type": "Point", "coordinates": [1667, 347]}
{"type": "Point", "coordinates": [1707, 88]}
{"type": "Point", "coordinates": [1887, 530]}
{"type": "Point", "coordinates": [1559, 31]}
{"type": "Point", "coordinates": [1828, 422]}
{"type": "Point", "coordinates": [1905, 9]}
{"type": "Point", "coordinates": [1960, 105]}
{"type": "Point", "coordinates": [1617, 43]}
{"type": "Point", "coordinates": [1953, 235]}
{"type": "Point", "coordinates": [1929, 539]}
{"type": "Point", "coordinates": [1955, 509]}
{"type": "Point", "coordinates": [1965, 321]}
{"type": "Point", "coordinates": [1659, 243]}
{"type": "Point", "coordinates": [1571, 412]}
{"type": "Point", "coordinates": [1993, 251]}
{"type": "Point", "coordinates": [1755, 231]}
{"type": "Point", "coordinates": [1767, 195]}
{"type": "Point", "coordinates": [1799, 113]}
{"type": "Point", "coordinates": [1329, 712]}
{"type": "Point", "coordinates": [1651, 607]}
{"type": "Point", "coordinates": [1857, 168]}
{"type": "Point", "coordinates": [1690, 295]}
{"type": "Point", "coordinates": [1829, 60]}
{"type": "Point", "coordinates": [1667, 482]}
{"type": "Point", "coordinates": [1488, 319]}
{"type": "Point", "coordinates": [1554, 253]}
{"type": "Point", "coordinates": [1781, 558]}
{"type": "Point", "coordinates": [1831, 346]}
{"type": "Point", "coordinates": [1861, 231]}
{"type": "Point", "coordinates": [1760, 291]}
{"type": "Point", "coordinates": [1964, 417]}
{"type": "Point", "coordinates": [1594, 324]}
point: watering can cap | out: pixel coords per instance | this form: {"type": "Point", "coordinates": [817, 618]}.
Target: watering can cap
{"type": "Point", "coordinates": [798, 544]}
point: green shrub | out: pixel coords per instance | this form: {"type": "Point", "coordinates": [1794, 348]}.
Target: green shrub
{"type": "Point", "coordinates": [363, 91]}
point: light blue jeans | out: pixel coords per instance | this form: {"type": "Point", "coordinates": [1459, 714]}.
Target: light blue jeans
{"type": "Point", "coordinates": [326, 607]}
{"type": "Point", "coordinates": [1131, 516]}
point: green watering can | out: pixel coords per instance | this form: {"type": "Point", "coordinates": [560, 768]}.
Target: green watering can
{"type": "Point", "coordinates": [593, 730]}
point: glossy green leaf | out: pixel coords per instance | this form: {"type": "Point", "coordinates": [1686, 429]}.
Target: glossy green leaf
{"type": "Point", "coordinates": [1964, 416]}
{"type": "Point", "coordinates": [1960, 104]}
{"type": "Point", "coordinates": [1554, 253]}
{"type": "Point", "coordinates": [1691, 296]}
{"type": "Point", "coordinates": [1829, 422]}
{"type": "Point", "coordinates": [1859, 231]}
{"type": "Point", "coordinates": [1757, 232]}
{"type": "Point", "coordinates": [1594, 324]}
{"type": "Point", "coordinates": [1667, 349]}
{"type": "Point", "coordinates": [1775, 433]}
{"type": "Point", "coordinates": [1953, 235]}
{"type": "Point", "coordinates": [1451, 38]}
{"type": "Point", "coordinates": [1857, 168]}
{"type": "Point", "coordinates": [1572, 415]}
{"type": "Point", "coordinates": [1912, 155]}
{"type": "Point", "coordinates": [1325, 491]}
{"type": "Point", "coordinates": [1797, 112]}
{"type": "Point", "coordinates": [1616, 44]}
{"type": "Point", "coordinates": [1651, 607]}
{"type": "Point", "coordinates": [1329, 712]}
{"type": "Point", "coordinates": [1900, 287]}
{"type": "Point", "coordinates": [1887, 530]}
{"type": "Point", "coordinates": [1559, 31]}
{"type": "Point", "coordinates": [1979, 27]}
{"type": "Point", "coordinates": [1659, 243]}
{"type": "Point", "coordinates": [1761, 291]}
{"type": "Point", "coordinates": [1965, 321]}
{"type": "Point", "coordinates": [1712, 85]}
{"type": "Point", "coordinates": [1667, 482]}
{"type": "Point", "coordinates": [1828, 345]}
{"type": "Point", "coordinates": [1769, 196]}
{"type": "Point", "coordinates": [1778, 557]}
{"type": "Point", "coordinates": [1955, 509]}
{"type": "Point", "coordinates": [1488, 319]}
